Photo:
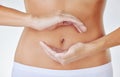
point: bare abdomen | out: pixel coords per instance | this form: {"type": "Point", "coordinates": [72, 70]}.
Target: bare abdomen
{"type": "Point", "coordinates": [29, 51]}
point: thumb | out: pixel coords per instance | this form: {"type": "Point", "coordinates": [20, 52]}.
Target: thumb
{"type": "Point", "coordinates": [76, 22]}
{"type": "Point", "coordinates": [73, 50]}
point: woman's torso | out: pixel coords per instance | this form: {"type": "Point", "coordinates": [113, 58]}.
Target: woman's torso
{"type": "Point", "coordinates": [88, 11]}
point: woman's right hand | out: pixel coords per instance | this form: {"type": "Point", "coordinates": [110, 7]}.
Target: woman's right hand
{"type": "Point", "coordinates": [12, 17]}
{"type": "Point", "coordinates": [48, 22]}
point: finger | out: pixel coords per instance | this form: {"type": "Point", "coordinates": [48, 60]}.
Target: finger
{"type": "Point", "coordinates": [77, 23]}
{"type": "Point", "coordinates": [48, 50]}
{"type": "Point", "coordinates": [73, 51]}
{"type": "Point", "coordinates": [63, 60]}
{"type": "Point", "coordinates": [68, 60]}
{"type": "Point", "coordinates": [80, 27]}
{"type": "Point", "coordinates": [52, 53]}
{"type": "Point", "coordinates": [60, 55]}
{"type": "Point", "coordinates": [46, 47]}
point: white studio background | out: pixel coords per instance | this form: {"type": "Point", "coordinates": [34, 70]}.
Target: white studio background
{"type": "Point", "coordinates": [9, 36]}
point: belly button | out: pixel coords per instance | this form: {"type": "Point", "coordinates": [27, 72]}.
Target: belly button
{"type": "Point", "coordinates": [62, 41]}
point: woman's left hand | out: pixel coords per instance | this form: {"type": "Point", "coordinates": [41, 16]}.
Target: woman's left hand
{"type": "Point", "coordinates": [74, 53]}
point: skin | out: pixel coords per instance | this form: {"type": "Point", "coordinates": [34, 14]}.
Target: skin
{"type": "Point", "coordinates": [90, 49]}
{"type": "Point", "coordinates": [29, 51]}
{"type": "Point", "coordinates": [92, 18]}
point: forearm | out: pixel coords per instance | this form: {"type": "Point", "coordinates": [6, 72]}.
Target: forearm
{"type": "Point", "coordinates": [110, 40]}
{"type": "Point", "coordinates": [12, 17]}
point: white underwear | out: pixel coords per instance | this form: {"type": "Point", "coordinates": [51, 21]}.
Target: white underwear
{"type": "Point", "coordinates": [20, 70]}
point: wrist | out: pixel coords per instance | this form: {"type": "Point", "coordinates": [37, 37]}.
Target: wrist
{"type": "Point", "coordinates": [99, 44]}
{"type": "Point", "coordinates": [28, 19]}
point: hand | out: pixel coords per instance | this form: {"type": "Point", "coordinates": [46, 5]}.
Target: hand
{"type": "Point", "coordinates": [44, 23]}
{"type": "Point", "coordinates": [74, 53]}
